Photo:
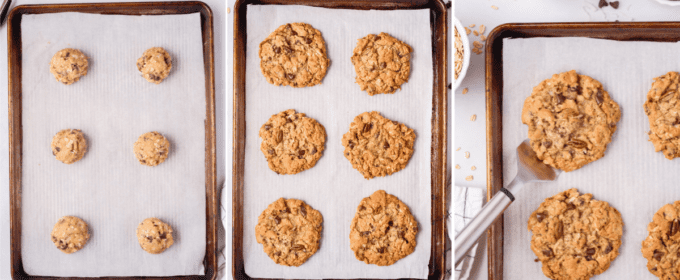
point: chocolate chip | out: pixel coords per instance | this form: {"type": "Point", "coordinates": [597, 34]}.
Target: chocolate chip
{"type": "Point", "coordinates": [381, 250]}
{"type": "Point", "coordinates": [267, 127]}
{"type": "Point", "coordinates": [608, 249]}
{"type": "Point", "coordinates": [149, 238]}
{"type": "Point", "coordinates": [590, 251]}
{"type": "Point", "coordinates": [297, 247]}
{"type": "Point", "coordinates": [163, 235]}
{"type": "Point", "coordinates": [303, 211]}
{"type": "Point", "coordinates": [560, 98]}
{"type": "Point", "coordinates": [570, 206]}
{"type": "Point", "coordinates": [615, 4]}
{"type": "Point", "coordinates": [308, 40]}
{"type": "Point", "coordinates": [63, 245]}
{"type": "Point", "coordinates": [139, 65]}
{"type": "Point", "coordinates": [559, 230]}
{"type": "Point", "coordinates": [540, 216]}
{"type": "Point", "coordinates": [351, 145]}
{"type": "Point", "coordinates": [658, 255]}
{"type": "Point", "coordinates": [362, 208]}
{"type": "Point", "coordinates": [156, 78]}
{"type": "Point", "coordinates": [270, 151]}
{"type": "Point", "coordinates": [294, 33]}
{"type": "Point", "coordinates": [142, 161]}
{"type": "Point", "coordinates": [675, 227]}
{"type": "Point", "coordinates": [378, 38]}
{"type": "Point", "coordinates": [547, 144]}
{"type": "Point", "coordinates": [602, 3]}
{"type": "Point", "coordinates": [301, 153]}
{"type": "Point", "coordinates": [367, 127]}
{"type": "Point", "coordinates": [152, 76]}
{"type": "Point", "coordinates": [383, 65]}
{"type": "Point", "coordinates": [599, 97]}
{"type": "Point", "coordinates": [287, 50]}
{"type": "Point", "coordinates": [377, 209]}
{"type": "Point", "coordinates": [548, 253]}
{"type": "Point", "coordinates": [277, 254]}
{"type": "Point", "coordinates": [277, 49]}
{"type": "Point", "coordinates": [67, 54]}
{"type": "Point", "coordinates": [386, 145]}
{"type": "Point", "coordinates": [277, 220]}
{"type": "Point", "coordinates": [313, 151]}
{"type": "Point", "coordinates": [57, 148]}
{"type": "Point", "coordinates": [589, 258]}
{"type": "Point", "coordinates": [576, 89]}
{"type": "Point", "coordinates": [166, 61]}
{"type": "Point", "coordinates": [290, 76]}
{"type": "Point", "coordinates": [390, 223]}
{"type": "Point", "coordinates": [366, 233]}
{"type": "Point", "coordinates": [74, 67]}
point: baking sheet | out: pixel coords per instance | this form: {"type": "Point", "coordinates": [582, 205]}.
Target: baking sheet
{"type": "Point", "coordinates": [631, 176]}
{"type": "Point", "coordinates": [333, 187]}
{"type": "Point", "coordinates": [113, 105]}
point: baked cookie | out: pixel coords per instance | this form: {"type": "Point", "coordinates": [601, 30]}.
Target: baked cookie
{"type": "Point", "coordinates": [383, 230]}
{"type": "Point", "coordinates": [575, 236]}
{"type": "Point", "coordinates": [154, 235]}
{"type": "Point", "coordinates": [294, 55]}
{"type": "Point", "coordinates": [377, 146]}
{"type": "Point", "coordinates": [151, 148]}
{"type": "Point", "coordinates": [662, 247]}
{"type": "Point", "coordinates": [292, 142]}
{"type": "Point", "coordinates": [155, 65]}
{"type": "Point", "coordinates": [663, 111]}
{"type": "Point", "coordinates": [571, 120]}
{"type": "Point", "coordinates": [289, 231]}
{"type": "Point", "coordinates": [68, 65]}
{"type": "Point", "coordinates": [69, 145]}
{"type": "Point", "coordinates": [382, 63]}
{"type": "Point", "coordinates": [70, 234]}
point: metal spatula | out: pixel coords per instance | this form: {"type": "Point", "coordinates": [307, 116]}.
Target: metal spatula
{"type": "Point", "coordinates": [529, 169]}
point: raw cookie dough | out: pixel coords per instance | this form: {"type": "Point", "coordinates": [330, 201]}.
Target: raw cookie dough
{"type": "Point", "coordinates": [155, 65]}
{"type": "Point", "coordinates": [68, 65]}
{"type": "Point", "coordinates": [70, 234]}
{"type": "Point", "coordinates": [383, 230]}
{"type": "Point", "coordinates": [292, 142]}
{"type": "Point", "coordinates": [69, 145]}
{"type": "Point", "coordinates": [662, 247]}
{"type": "Point", "coordinates": [571, 120]}
{"type": "Point", "coordinates": [151, 148]}
{"type": "Point", "coordinates": [382, 63]}
{"type": "Point", "coordinates": [663, 111]}
{"type": "Point", "coordinates": [294, 55]}
{"type": "Point", "coordinates": [377, 146]}
{"type": "Point", "coordinates": [575, 236]}
{"type": "Point", "coordinates": [289, 231]}
{"type": "Point", "coordinates": [154, 235]}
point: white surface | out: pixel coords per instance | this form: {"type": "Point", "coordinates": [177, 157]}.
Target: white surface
{"type": "Point", "coordinates": [334, 104]}
{"type": "Point", "coordinates": [218, 9]}
{"type": "Point", "coordinates": [468, 203]}
{"type": "Point", "coordinates": [471, 135]}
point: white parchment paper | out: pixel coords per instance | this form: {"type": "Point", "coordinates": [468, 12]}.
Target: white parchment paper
{"type": "Point", "coordinates": [113, 105]}
{"type": "Point", "coordinates": [333, 187]}
{"type": "Point", "coordinates": [631, 176]}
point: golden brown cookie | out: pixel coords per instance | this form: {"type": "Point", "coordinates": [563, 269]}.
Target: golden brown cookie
{"type": "Point", "coordinates": [663, 111]}
{"type": "Point", "coordinates": [151, 148]}
{"type": "Point", "coordinates": [69, 145]}
{"type": "Point", "coordinates": [68, 65]}
{"type": "Point", "coordinates": [377, 146]}
{"type": "Point", "coordinates": [70, 234]}
{"type": "Point", "coordinates": [292, 142]}
{"type": "Point", "coordinates": [575, 236]}
{"type": "Point", "coordinates": [382, 63]}
{"type": "Point", "coordinates": [294, 55]}
{"type": "Point", "coordinates": [571, 120]}
{"type": "Point", "coordinates": [383, 230]}
{"type": "Point", "coordinates": [155, 65]}
{"type": "Point", "coordinates": [290, 231]}
{"type": "Point", "coordinates": [662, 247]}
{"type": "Point", "coordinates": [154, 235]}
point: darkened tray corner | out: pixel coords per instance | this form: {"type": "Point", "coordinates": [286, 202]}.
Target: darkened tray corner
{"type": "Point", "coordinates": [438, 25]}
{"type": "Point", "coordinates": [15, 122]}
{"type": "Point", "coordinates": [620, 31]}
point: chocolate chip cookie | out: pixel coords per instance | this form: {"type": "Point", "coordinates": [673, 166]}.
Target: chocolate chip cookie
{"type": "Point", "coordinates": [69, 145]}
{"type": "Point", "coordinates": [294, 55]}
{"type": "Point", "coordinates": [154, 235]}
{"type": "Point", "coordinates": [571, 120]}
{"type": "Point", "coordinates": [151, 148]}
{"type": "Point", "coordinates": [377, 146]}
{"type": "Point", "coordinates": [68, 65]}
{"type": "Point", "coordinates": [382, 63]}
{"type": "Point", "coordinates": [155, 65]}
{"type": "Point", "coordinates": [70, 234]}
{"type": "Point", "coordinates": [383, 230]}
{"type": "Point", "coordinates": [663, 111]}
{"type": "Point", "coordinates": [290, 231]}
{"type": "Point", "coordinates": [575, 236]}
{"type": "Point", "coordinates": [662, 247]}
{"type": "Point", "coordinates": [292, 142]}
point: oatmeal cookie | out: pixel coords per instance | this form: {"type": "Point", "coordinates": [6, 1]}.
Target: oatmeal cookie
{"type": "Point", "coordinates": [663, 111]}
{"type": "Point", "coordinates": [151, 148]}
{"type": "Point", "coordinates": [662, 247]}
{"type": "Point", "coordinates": [69, 145]}
{"type": "Point", "coordinates": [382, 63]}
{"type": "Point", "coordinates": [68, 65]}
{"type": "Point", "coordinates": [155, 65]}
{"type": "Point", "coordinates": [154, 236]}
{"type": "Point", "coordinates": [70, 234]}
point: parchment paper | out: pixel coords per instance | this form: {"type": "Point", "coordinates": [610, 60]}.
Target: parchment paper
{"type": "Point", "coordinates": [631, 176]}
{"type": "Point", "coordinates": [333, 187]}
{"type": "Point", "coordinates": [113, 105]}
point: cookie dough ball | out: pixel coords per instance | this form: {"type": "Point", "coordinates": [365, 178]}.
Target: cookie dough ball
{"type": "Point", "coordinates": [152, 148]}
{"type": "Point", "coordinates": [70, 234]}
{"type": "Point", "coordinates": [377, 146]}
{"type": "Point", "coordinates": [155, 65]}
{"type": "Point", "coordinates": [294, 55]}
{"type": "Point", "coordinates": [69, 145]}
{"type": "Point", "coordinates": [68, 65]}
{"type": "Point", "coordinates": [571, 120]}
{"type": "Point", "coordinates": [290, 231]}
{"type": "Point", "coordinates": [663, 113]}
{"type": "Point", "coordinates": [382, 63]}
{"type": "Point", "coordinates": [575, 236]}
{"type": "Point", "coordinates": [383, 230]}
{"type": "Point", "coordinates": [154, 235]}
{"type": "Point", "coordinates": [292, 142]}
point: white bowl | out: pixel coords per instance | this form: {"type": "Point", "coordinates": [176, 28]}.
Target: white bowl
{"type": "Point", "coordinates": [669, 3]}
{"type": "Point", "coordinates": [466, 53]}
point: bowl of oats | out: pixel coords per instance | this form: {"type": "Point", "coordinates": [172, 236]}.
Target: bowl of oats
{"type": "Point", "coordinates": [461, 53]}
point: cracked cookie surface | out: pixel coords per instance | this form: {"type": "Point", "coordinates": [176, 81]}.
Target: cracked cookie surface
{"type": "Point", "coordinates": [383, 230]}
{"type": "Point", "coordinates": [382, 63]}
{"type": "Point", "coordinates": [663, 111]}
{"type": "Point", "coordinates": [290, 231]}
{"type": "Point", "coordinates": [151, 148]}
{"type": "Point", "coordinates": [575, 236]}
{"type": "Point", "coordinates": [292, 142]}
{"type": "Point", "coordinates": [661, 248]}
{"type": "Point", "coordinates": [69, 145]}
{"type": "Point", "coordinates": [377, 146]}
{"type": "Point", "coordinates": [571, 120]}
{"type": "Point", "coordinates": [155, 65]}
{"type": "Point", "coordinates": [70, 234]}
{"type": "Point", "coordinates": [294, 55]}
{"type": "Point", "coordinates": [154, 235]}
{"type": "Point", "coordinates": [68, 65]}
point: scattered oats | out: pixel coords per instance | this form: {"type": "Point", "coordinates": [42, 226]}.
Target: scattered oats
{"type": "Point", "coordinates": [472, 25]}
{"type": "Point", "coordinates": [475, 50]}
{"type": "Point", "coordinates": [473, 168]}
{"type": "Point", "coordinates": [467, 31]}
{"type": "Point", "coordinates": [482, 28]}
{"type": "Point", "coordinates": [458, 149]}
{"type": "Point", "coordinates": [473, 118]}
{"type": "Point", "coordinates": [458, 44]}
{"type": "Point", "coordinates": [475, 32]}
{"type": "Point", "coordinates": [494, 7]}
{"type": "Point", "coordinates": [228, 10]}
{"type": "Point", "coordinates": [465, 90]}
{"type": "Point", "coordinates": [457, 166]}
{"type": "Point", "coordinates": [469, 178]}
{"type": "Point", "coordinates": [482, 38]}
{"type": "Point", "coordinates": [477, 44]}
{"type": "Point", "coordinates": [467, 154]}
